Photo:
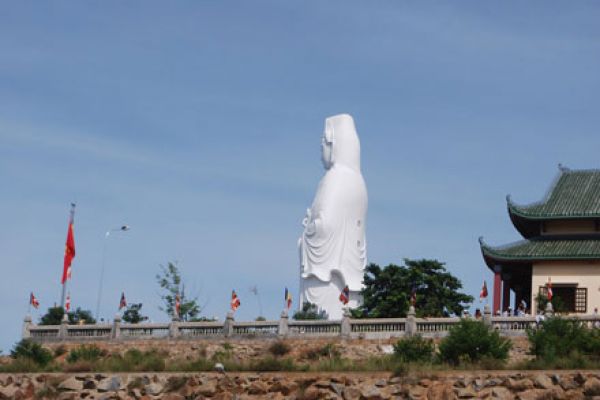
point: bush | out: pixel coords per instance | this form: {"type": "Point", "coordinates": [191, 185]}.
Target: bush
{"type": "Point", "coordinates": [273, 364]}
{"type": "Point", "coordinates": [414, 349]}
{"type": "Point", "coordinates": [28, 349]}
{"type": "Point", "coordinates": [309, 311]}
{"type": "Point", "coordinates": [136, 361]}
{"type": "Point", "coordinates": [89, 353]}
{"type": "Point", "coordinates": [472, 341]}
{"type": "Point", "coordinates": [329, 350]}
{"type": "Point", "coordinates": [559, 338]}
{"type": "Point", "coordinates": [279, 348]}
{"type": "Point", "coordinates": [60, 350]}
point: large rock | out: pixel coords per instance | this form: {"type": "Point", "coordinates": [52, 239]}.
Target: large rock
{"type": "Point", "coordinates": [111, 384]}
{"type": "Point", "coordinates": [8, 392]}
{"type": "Point", "coordinates": [351, 393]}
{"type": "Point", "coordinates": [520, 384]}
{"type": "Point", "coordinates": [71, 384]}
{"type": "Point", "coordinates": [591, 387]}
{"type": "Point", "coordinates": [153, 389]}
{"type": "Point", "coordinates": [258, 387]}
{"type": "Point", "coordinates": [500, 392]}
{"type": "Point", "coordinates": [543, 381]}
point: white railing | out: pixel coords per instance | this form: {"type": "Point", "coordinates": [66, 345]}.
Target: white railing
{"type": "Point", "coordinates": [435, 326]}
{"type": "Point", "coordinates": [320, 328]}
{"type": "Point", "coordinates": [144, 331]}
{"type": "Point", "coordinates": [256, 328]}
{"type": "Point", "coordinates": [201, 329]}
{"type": "Point", "coordinates": [352, 328]}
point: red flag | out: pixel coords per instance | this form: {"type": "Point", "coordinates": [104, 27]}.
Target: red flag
{"type": "Point", "coordinates": [69, 248]}
{"type": "Point", "coordinates": [68, 303]}
{"type": "Point", "coordinates": [33, 301]}
{"type": "Point", "coordinates": [484, 293]}
{"type": "Point", "coordinates": [345, 295]}
{"type": "Point", "coordinates": [549, 289]}
{"type": "Point", "coordinates": [177, 304]}
{"type": "Point", "coordinates": [288, 298]}
{"type": "Point", "coordinates": [413, 296]}
{"type": "Point", "coordinates": [123, 302]}
{"type": "Point", "coordinates": [235, 300]}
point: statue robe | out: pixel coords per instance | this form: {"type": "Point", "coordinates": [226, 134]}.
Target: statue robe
{"type": "Point", "coordinates": [333, 243]}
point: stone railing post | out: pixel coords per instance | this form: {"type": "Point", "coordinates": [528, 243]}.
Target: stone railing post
{"type": "Point", "coordinates": [283, 324]}
{"type": "Point", "coordinates": [174, 327]}
{"type": "Point", "coordinates": [411, 322]}
{"type": "Point", "coordinates": [116, 328]}
{"type": "Point", "coordinates": [63, 331]}
{"type": "Point", "coordinates": [26, 333]}
{"type": "Point", "coordinates": [346, 328]}
{"type": "Point", "coordinates": [487, 316]}
{"type": "Point", "coordinates": [549, 310]}
{"type": "Point", "coordinates": [228, 325]}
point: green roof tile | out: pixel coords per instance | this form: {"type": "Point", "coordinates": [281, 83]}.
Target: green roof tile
{"type": "Point", "coordinates": [575, 194]}
{"type": "Point", "coordinates": [544, 248]}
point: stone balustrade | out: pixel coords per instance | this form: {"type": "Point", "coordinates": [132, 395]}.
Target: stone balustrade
{"type": "Point", "coordinates": [381, 328]}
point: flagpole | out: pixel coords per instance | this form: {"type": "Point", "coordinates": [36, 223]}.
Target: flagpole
{"type": "Point", "coordinates": [64, 285]}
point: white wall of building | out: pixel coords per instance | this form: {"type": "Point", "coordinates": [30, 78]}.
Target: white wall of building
{"type": "Point", "coordinates": [584, 274]}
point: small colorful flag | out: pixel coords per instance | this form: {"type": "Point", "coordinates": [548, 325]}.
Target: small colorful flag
{"type": "Point", "coordinates": [123, 302]}
{"type": "Point", "coordinates": [484, 293]}
{"type": "Point", "coordinates": [235, 300]}
{"type": "Point", "coordinates": [177, 305]}
{"type": "Point", "coordinates": [413, 296]}
{"type": "Point", "coordinates": [549, 289]}
{"type": "Point", "coordinates": [288, 298]}
{"type": "Point", "coordinates": [345, 295]}
{"type": "Point", "coordinates": [69, 248]}
{"type": "Point", "coordinates": [68, 303]}
{"type": "Point", "coordinates": [33, 301]}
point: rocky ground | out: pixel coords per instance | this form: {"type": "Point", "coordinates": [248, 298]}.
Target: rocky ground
{"type": "Point", "coordinates": [373, 386]}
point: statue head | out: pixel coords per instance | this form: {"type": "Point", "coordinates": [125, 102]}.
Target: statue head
{"type": "Point", "coordinates": [340, 144]}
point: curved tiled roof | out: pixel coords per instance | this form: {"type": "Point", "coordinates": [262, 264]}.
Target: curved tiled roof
{"type": "Point", "coordinates": [545, 248]}
{"type": "Point", "coordinates": [574, 194]}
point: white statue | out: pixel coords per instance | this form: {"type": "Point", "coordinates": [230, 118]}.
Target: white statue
{"type": "Point", "coordinates": [333, 248]}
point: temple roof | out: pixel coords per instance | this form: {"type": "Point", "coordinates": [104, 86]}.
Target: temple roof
{"type": "Point", "coordinates": [543, 248]}
{"type": "Point", "coordinates": [575, 194]}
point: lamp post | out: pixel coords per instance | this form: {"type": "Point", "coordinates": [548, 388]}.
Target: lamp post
{"type": "Point", "coordinates": [123, 228]}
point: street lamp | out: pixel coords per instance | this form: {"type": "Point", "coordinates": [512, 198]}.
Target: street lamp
{"type": "Point", "coordinates": [123, 228]}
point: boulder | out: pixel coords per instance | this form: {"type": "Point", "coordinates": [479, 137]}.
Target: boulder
{"type": "Point", "coordinates": [591, 387]}
{"type": "Point", "coordinates": [500, 392]}
{"type": "Point", "coordinates": [71, 384]}
{"type": "Point", "coordinates": [351, 393]}
{"type": "Point", "coordinates": [520, 385]}
{"type": "Point", "coordinates": [542, 381]}
{"type": "Point", "coordinates": [111, 384]}
{"type": "Point", "coordinates": [153, 389]}
{"type": "Point", "coordinates": [257, 387]}
{"type": "Point", "coordinates": [208, 388]}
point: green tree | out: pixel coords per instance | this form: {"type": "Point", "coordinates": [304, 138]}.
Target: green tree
{"type": "Point", "coordinates": [309, 311]}
{"type": "Point", "coordinates": [169, 279]}
{"type": "Point", "coordinates": [387, 291]}
{"type": "Point", "coordinates": [473, 341]}
{"type": "Point", "coordinates": [558, 337]}
{"type": "Point", "coordinates": [133, 314]}
{"type": "Point", "coordinates": [28, 349]}
{"type": "Point", "coordinates": [54, 316]}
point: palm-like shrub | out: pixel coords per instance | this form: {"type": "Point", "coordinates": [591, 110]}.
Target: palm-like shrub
{"type": "Point", "coordinates": [30, 350]}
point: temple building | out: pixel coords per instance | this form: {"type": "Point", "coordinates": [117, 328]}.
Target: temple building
{"type": "Point", "coordinates": [561, 243]}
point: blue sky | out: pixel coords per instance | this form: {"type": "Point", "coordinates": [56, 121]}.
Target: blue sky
{"type": "Point", "coordinates": [198, 123]}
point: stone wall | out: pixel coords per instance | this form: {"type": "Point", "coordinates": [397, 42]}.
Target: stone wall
{"type": "Point", "coordinates": [349, 386]}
